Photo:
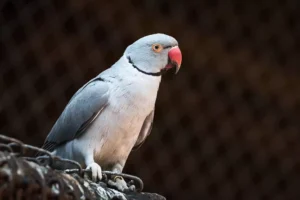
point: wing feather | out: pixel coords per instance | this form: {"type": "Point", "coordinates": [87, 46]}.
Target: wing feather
{"type": "Point", "coordinates": [81, 111]}
{"type": "Point", "coordinates": [145, 131]}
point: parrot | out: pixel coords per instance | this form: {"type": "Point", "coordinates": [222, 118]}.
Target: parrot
{"type": "Point", "coordinates": [112, 114]}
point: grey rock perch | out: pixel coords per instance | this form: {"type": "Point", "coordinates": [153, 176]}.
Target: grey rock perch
{"type": "Point", "coordinates": [29, 178]}
{"type": "Point", "coordinates": [22, 179]}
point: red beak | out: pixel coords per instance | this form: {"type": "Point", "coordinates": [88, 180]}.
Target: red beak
{"type": "Point", "coordinates": [175, 58]}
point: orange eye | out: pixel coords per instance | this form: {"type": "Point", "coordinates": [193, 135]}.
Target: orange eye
{"type": "Point", "coordinates": [157, 48]}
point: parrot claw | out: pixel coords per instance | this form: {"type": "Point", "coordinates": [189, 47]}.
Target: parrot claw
{"type": "Point", "coordinates": [120, 184]}
{"type": "Point", "coordinates": [96, 171]}
{"type": "Point", "coordinates": [131, 185]}
{"type": "Point", "coordinates": [131, 188]}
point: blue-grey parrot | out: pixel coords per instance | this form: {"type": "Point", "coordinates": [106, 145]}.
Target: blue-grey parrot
{"type": "Point", "coordinates": [113, 112]}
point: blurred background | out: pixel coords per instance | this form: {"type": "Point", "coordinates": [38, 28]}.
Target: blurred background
{"type": "Point", "coordinates": [226, 127]}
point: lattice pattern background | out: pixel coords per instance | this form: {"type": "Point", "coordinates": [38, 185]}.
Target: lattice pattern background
{"type": "Point", "coordinates": [226, 127]}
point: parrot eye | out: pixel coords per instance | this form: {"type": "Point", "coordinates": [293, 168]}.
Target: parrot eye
{"type": "Point", "coordinates": [157, 48]}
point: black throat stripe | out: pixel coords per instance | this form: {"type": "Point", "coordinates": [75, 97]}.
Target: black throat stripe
{"type": "Point", "coordinates": [148, 73]}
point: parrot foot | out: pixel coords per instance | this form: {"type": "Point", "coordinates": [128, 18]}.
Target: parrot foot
{"type": "Point", "coordinates": [120, 184]}
{"type": "Point", "coordinates": [96, 171]}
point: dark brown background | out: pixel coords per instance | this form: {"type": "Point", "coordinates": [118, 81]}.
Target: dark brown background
{"type": "Point", "coordinates": [226, 127]}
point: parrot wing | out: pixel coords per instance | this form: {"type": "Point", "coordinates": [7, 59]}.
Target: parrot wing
{"type": "Point", "coordinates": [145, 131]}
{"type": "Point", "coordinates": [81, 111]}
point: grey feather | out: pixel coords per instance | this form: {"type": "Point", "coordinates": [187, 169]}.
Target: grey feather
{"type": "Point", "coordinates": [83, 108]}
{"type": "Point", "coordinates": [145, 131]}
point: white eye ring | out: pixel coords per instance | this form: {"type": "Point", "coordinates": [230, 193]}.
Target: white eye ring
{"type": "Point", "coordinates": [157, 48]}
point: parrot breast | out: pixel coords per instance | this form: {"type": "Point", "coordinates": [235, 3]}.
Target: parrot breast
{"type": "Point", "coordinates": [114, 133]}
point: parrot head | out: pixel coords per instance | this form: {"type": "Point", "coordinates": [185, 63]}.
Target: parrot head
{"type": "Point", "coordinates": [154, 54]}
